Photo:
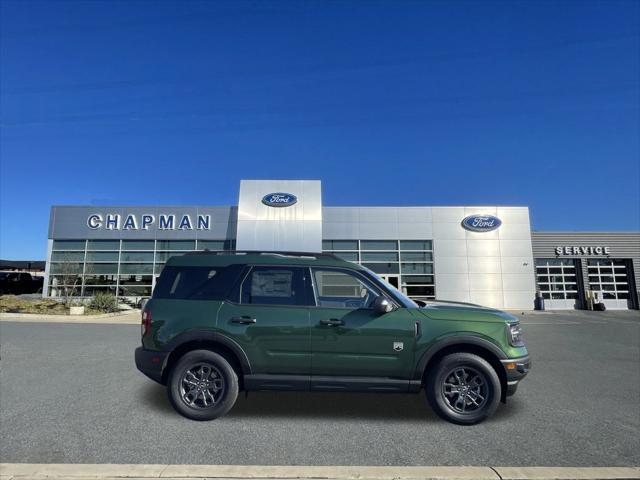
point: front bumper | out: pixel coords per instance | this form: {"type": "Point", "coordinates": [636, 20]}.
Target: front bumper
{"type": "Point", "coordinates": [516, 369]}
{"type": "Point", "coordinates": [151, 363]}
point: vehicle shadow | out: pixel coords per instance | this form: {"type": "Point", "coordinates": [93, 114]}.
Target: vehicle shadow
{"type": "Point", "coordinates": [328, 405]}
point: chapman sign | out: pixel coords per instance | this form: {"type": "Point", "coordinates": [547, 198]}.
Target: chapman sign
{"type": "Point", "coordinates": [144, 222]}
{"type": "Point", "coordinates": [589, 250]}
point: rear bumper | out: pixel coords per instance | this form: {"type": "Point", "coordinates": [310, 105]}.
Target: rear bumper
{"type": "Point", "coordinates": [516, 369]}
{"type": "Point", "coordinates": [151, 363]}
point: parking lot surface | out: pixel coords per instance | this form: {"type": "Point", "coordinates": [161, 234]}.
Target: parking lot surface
{"type": "Point", "coordinates": [70, 393]}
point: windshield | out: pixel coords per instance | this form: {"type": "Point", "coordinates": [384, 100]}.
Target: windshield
{"type": "Point", "coordinates": [401, 297]}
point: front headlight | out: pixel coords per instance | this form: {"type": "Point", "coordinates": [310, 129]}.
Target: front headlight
{"type": "Point", "coordinates": [514, 334]}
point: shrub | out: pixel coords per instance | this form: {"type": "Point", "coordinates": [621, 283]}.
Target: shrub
{"type": "Point", "coordinates": [104, 302]}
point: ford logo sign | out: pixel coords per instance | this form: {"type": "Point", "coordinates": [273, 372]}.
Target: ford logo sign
{"type": "Point", "coordinates": [279, 199]}
{"type": "Point", "coordinates": [481, 223]}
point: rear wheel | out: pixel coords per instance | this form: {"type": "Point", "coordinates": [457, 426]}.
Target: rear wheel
{"type": "Point", "coordinates": [463, 388]}
{"type": "Point", "coordinates": [202, 385]}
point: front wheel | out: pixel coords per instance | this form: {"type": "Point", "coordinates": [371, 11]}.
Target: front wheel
{"type": "Point", "coordinates": [202, 385]}
{"type": "Point", "coordinates": [463, 388]}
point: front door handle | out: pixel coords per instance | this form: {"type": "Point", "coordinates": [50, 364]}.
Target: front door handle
{"type": "Point", "coordinates": [332, 322]}
{"type": "Point", "coordinates": [245, 319]}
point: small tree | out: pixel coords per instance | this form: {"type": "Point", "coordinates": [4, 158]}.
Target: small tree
{"type": "Point", "coordinates": [70, 274]}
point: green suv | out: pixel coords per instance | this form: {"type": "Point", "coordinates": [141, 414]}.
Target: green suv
{"type": "Point", "coordinates": [219, 323]}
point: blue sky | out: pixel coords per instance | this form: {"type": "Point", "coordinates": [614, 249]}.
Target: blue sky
{"type": "Point", "coordinates": [388, 103]}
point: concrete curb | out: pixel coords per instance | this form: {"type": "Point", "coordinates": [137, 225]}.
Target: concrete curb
{"type": "Point", "coordinates": [24, 471]}
{"type": "Point", "coordinates": [130, 317]}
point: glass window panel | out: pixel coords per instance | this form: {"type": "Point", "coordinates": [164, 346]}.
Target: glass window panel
{"type": "Point", "coordinates": [68, 244]}
{"type": "Point", "coordinates": [556, 287]}
{"type": "Point", "coordinates": [572, 295]}
{"type": "Point", "coordinates": [594, 286]}
{"type": "Point", "coordinates": [136, 268]}
{"type": "Point", "coordinates": [102, 256]}
{"type": "Point", "coordinates": [100, 279]}
{"type": "Point", "coordinates": [56, 280]}
{"type": "Point", "coordinates": [544, 287]}
{"type": "Point", "coordinates": [66, 268]}
{"type": "Point", "coordinates": [619, 262]}
{"type": "Point", "coordinates": [136, 279]}
{"type": "Point", "coordinates": [623, 295]}
{"type": "Point", "coordinates": [417, 268]}
{"type": "Point", "coordinates": [606, 279]}
{"type": "Point", "coordinates": [101, 268]}
{"type": "Point", "coordinates": [608, 287]}
{"type": "Point", "coordinates": [543, 279]}
{"type": "Point", "coordinates": [593, 278]}
{"type": "Point", "coordinates": [417, 256]}
{"type": "Point", "coordinates": [417, 279]}
{"type": "Point", "coordinates": [103, 245]}
{"type": "Point", "coordinates": [621, 278]}
{"type": "Point", "coordinates": [90, 291]}
{"type": "Point", "coordinates": [340, 245]}
{"type": "Point", "coordinates": [67, 256]}
{"type": "Point", "coordinates": [348, 256]}
{"type": "Point", "coordinates": [136, 257]}
{"type": "Point", "coordinates": [556, 278]}
{"type": "Point", "coordinates": [134, 291]}
{"type": "Point", "coordinates": [176, 245]}
{"type": "Point", "coordinates": [420, 291]}
{"type": "Point", "coordinates": [274, 286]}
{"type": "Point", "coordinates": [164, 256]}
{"type": "Point", "coordinates": [379, 256]}
{"type": "Point", "coordinates": [608, 271]}
{"type": "Point", "coordinates": [555, 270]}
{"type": "Point", "coordinates": [609, 295]}
{"type": "Point", "coordinates": [382, 267]}
{"type": "Point", "coordinates": [215, 245]}
{"type": "Point", "coordinates": [158, 268]}
{"type": "Point", "coordinates": [557, 296]}
{"type": "Point", "coordinates": [416, 245]}
{"type": "Point", "coordinates": [138, 245]}
{"type": "Point", "coordinates": [378, 245]}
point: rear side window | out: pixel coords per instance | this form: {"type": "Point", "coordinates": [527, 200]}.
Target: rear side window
{"type": "Point", "coordinates": [196, 283]}
{"type": "Point", "coordinates": [276, 286]}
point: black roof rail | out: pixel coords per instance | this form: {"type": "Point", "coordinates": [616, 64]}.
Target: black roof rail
{"type": "Point", "coordinates": [328, 256]}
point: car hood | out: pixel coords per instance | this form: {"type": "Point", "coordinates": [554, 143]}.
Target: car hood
{"type": "Point", "coordinates": [443, 310]}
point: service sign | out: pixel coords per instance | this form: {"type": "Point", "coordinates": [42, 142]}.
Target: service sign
{"type": "Point", "coordinates": [279, 199]}
{"type": "Point", "coordinates": [481, 223]}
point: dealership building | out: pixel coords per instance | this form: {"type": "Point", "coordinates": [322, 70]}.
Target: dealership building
{"type": "Point", "coordinates": [479, 254]}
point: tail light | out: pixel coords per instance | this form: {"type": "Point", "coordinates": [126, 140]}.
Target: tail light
{"type": "Point", "coordinates": [146, 322]}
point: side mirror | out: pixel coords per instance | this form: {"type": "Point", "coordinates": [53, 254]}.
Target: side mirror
{"type": "Point", "coordinates": [382, 305]}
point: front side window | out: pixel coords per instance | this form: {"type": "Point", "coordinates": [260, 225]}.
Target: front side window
{"type": "Point", "coordinates": [340, 289]}
{"type": "Point", "coordinates": [275, 286]}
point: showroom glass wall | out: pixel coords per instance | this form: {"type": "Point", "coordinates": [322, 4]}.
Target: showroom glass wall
{"type": "Point", "coordinates": [124, 268]}
{"type": "Point", "coordinates": [411, 261]}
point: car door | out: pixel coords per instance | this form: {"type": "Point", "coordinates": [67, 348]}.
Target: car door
{"type": "Point", "coordinates": [349, 338]}
{"type": "Point", "coordinates": [271, 320]}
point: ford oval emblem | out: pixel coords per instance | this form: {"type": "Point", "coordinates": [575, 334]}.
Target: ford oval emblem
{"type": "Point", "coordinates": [279, 199]}
{"type": "Point", "coordinates": [481, 223]}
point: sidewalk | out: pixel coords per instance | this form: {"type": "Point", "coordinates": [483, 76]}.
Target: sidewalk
{"type": "Point", "coordinates": [129, 317]}
{"type": "Point", "coordinates": [18, 471]}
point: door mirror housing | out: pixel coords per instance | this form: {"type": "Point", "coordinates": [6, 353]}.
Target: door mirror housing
{"type": "Point", "coordinates": [382, 305]}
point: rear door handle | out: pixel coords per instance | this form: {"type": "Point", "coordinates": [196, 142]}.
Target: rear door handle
{"type": "Point", "coordinates": [332, 322]}
{"type": "Point", "coordinates": [245, 319]}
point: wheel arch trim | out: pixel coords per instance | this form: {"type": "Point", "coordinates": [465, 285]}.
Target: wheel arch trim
{"type": "Point", "coordinates": [455, 340]}
{"type": "Point", "coordinates": [211, 337]}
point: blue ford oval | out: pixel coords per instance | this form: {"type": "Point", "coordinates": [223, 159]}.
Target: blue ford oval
{"type": "Point", "coordinates": [279, 199]}
{"type": "Point", "coordinates": [481, 223]}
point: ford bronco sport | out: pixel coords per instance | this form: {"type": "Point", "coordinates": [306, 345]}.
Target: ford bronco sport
{"type": "Point", "coordinates": [219, 323]}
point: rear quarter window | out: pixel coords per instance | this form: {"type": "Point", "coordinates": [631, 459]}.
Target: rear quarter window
{"type": "Point", "coordinates": [196, 283]}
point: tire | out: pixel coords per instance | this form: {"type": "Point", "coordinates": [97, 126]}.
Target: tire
{"type": "Point", "coordinates": [202, 385]}
{"type": "Point", "coordinates": [446, 391]}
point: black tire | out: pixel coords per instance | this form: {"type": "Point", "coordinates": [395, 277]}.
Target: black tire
{"type": "Point", "coordinates": [446, 391]}
{"type": "Point", "coordinates": [218, 388]}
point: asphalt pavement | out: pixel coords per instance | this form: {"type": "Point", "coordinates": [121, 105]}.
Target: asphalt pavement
{"type": "Point", "coordinates": [70, 393]}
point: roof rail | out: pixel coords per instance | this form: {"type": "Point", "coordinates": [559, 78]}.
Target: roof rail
{"type": "Point", "coordinates": [314, 255]}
